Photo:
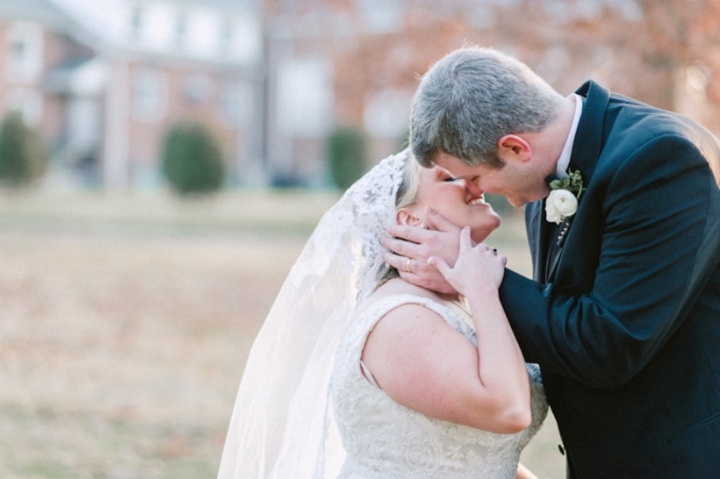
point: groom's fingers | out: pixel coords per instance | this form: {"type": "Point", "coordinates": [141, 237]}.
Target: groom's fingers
{"type": "Point", "coordinates": [436, 221]}
{"type": "Point", "coordinates": [401, 247]}
{"type": "Point", "coordinates": [409, 233]}
{"type": "Point", "coordinates": [426, 276]}
{"type": "Point", "coordinates": [398, 262]}
{"type": "Point", "coordinates": [407, 267]}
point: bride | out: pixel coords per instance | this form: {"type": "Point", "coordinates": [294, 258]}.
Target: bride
{"type": "Point", "coordinates": [357, 374]}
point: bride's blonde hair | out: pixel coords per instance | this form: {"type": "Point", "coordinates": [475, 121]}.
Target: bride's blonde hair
{"type": "Point", "coordinates": [406, 195]}
{"type": "Point", "coordinates": [408, 191]}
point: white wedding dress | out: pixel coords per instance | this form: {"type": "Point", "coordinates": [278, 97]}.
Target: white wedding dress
{"type": "Point", "coordinates": [282, 423]}
{"type": "Point", "coordinates": [386, 440]}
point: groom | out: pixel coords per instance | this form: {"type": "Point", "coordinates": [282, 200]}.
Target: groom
{"type": "Point", "coordinates": [623, 314]}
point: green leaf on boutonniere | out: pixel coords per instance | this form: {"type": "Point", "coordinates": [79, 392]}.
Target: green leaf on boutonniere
{"type": "Point", "coordinates": [573, 183]}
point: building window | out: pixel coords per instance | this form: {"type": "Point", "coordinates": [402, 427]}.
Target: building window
{"type": "Point", "coordinates": [305, 98]}
{"type": "Point", "coordinates": [25, 58]}
{"type": "Point", "coordinates": [203, 31]}
{"type": "Point", "coordinates": [380, 16]}
{"type": "Point", "coordinates": [236, 105]}
{"type": "Point", "coordinates": [18, 51]}
{"type": "Point", "coordinates": [181, 31]}
{"type": "Point", "coordinates": [240, 39]}
{"type": "Point", "coordinates": [136, 24]}
{"type": "Point", "coordinates": [197, 89]}
{"type": "Point", "coordinates": [149, 95]}
{"type": "Point", "coordinates": [387, 113]}
{"type": "Point", "coordinates": [226, 39]}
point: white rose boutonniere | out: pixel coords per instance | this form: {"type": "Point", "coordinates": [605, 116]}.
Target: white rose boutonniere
{"type": "Point", "coordinates": [563, 200]}
{"type": "Point", "coordinates": [559, 205]}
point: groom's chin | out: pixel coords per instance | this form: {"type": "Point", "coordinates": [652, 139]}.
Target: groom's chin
{"type": "Point", "coordinates": [516, 202]}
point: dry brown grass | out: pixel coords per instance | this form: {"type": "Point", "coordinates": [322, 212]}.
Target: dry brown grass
{"type": "Point", "coordinates": [125, 327]}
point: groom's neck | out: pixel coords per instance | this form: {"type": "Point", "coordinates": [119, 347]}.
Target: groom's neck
{"type": "Point", "coordinates": [548, 144]}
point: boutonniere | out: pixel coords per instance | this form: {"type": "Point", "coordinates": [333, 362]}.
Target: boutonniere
{"type": "Point", "coordinates": [562, 202]}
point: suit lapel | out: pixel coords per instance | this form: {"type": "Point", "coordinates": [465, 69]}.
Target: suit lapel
{"type": "Point", "coordinates": [540, 237]}
{"type": "Point", "coordinates": [587, 147]}
{"type": "Point", "coordinates": [591, 133]}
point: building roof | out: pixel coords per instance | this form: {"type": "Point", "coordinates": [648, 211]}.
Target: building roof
{"type": "Point", "coordinates": [49, 13]}
{"type": "Point", "coordinates": [232, 4]}
{"type": "Point", "coordinates": [41, 10]}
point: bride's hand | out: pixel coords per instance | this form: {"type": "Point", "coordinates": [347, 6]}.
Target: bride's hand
{"type": "Point", "coordinates": [410, 247]}
{"type": "Point", "coordinates": [477, 267]}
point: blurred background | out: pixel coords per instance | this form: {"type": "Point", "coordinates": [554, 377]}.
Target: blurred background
{"type": "Point", "coordinates": [163, 161]}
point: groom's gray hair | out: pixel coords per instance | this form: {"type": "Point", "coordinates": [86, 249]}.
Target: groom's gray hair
{"type": "Point", "coordinates": [473, 97]}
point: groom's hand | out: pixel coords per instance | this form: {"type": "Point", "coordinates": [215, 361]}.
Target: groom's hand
{"type": "Point", "coordinates": [410, 247]}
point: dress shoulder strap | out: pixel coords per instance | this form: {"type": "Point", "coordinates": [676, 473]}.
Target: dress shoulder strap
{"type": "Point", "coordinates": [368, 316]}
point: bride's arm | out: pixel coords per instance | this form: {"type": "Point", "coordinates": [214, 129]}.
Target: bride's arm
{"type": "Point", "coordinates": [524, 473]}
{"type": "Point", "coordinates": [477, 274]}
{"type": "Point", "coordinates": [424, 364]}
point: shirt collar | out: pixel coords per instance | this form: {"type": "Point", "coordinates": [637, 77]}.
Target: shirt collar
{"type": "Point", "coordinates": [564, 160]}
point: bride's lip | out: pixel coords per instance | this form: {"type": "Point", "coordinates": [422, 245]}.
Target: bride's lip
{"type": "Point", "coordinates": [477, 201]}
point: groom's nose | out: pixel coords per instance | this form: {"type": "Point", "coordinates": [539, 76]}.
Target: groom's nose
{"type": "Point", "coordinates": [473, 187]}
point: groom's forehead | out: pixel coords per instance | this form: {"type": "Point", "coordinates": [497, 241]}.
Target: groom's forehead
{"type": "Point", "coordinates": [457, 167]}
{"type": "Point", "coordinates": [446, 160]}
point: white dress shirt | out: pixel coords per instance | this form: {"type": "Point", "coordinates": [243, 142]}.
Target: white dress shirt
{"type": "Point", "coordinates": [564, 160]}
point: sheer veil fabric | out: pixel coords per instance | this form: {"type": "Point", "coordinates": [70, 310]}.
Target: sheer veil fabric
{"type": "Point", "coordinates": [282, 424]}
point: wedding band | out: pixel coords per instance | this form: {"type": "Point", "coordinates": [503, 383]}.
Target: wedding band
{"type": "Point", "coordinates": [407, 266]}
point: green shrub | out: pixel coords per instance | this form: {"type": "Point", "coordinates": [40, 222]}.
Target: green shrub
{"type": "Point", "coordinates": [192, 159]}
{"type": "Point", "coordinates": [346, 156]}
{"type": "Point", "coordinates": [23, 156]}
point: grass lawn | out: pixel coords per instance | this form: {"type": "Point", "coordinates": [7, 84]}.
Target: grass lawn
{"type": "Point", "coordinates": [126, 321]}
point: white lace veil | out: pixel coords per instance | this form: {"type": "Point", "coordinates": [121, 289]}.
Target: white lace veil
{"type": "Point", "coordinates": [281, 425]}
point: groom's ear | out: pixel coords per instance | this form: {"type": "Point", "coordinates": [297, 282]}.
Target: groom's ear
{"type": "Point", "coordinates": [405, 216]}
{"type": "Point", "coordinates": [514, 148]}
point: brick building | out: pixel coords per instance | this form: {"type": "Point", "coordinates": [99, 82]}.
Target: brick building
{"type": "Point", "coordinates": [174, 61]}
{"type": "Point", "coordinates": [105, 97]}
{"type": "Point", "coordinates": [273, 78]}
{"type": "Point", "coordinates": [345, 62]}
{"type": "Point", "coordinates": [39, 41]}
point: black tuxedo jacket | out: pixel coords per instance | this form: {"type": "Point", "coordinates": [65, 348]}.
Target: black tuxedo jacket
{"type": "Point", "coordinates": [626, 328]}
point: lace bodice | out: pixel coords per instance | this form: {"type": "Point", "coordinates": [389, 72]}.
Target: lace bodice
{"type": "Point", "coordinates": [384, 439]}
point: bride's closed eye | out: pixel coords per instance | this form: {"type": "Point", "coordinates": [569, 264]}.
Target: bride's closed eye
{"type": "Point", "coordinates": [444, 175]}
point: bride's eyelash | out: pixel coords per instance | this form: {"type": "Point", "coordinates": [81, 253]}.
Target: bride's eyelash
{"type": "Point", "coordinates": [450, 179]}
